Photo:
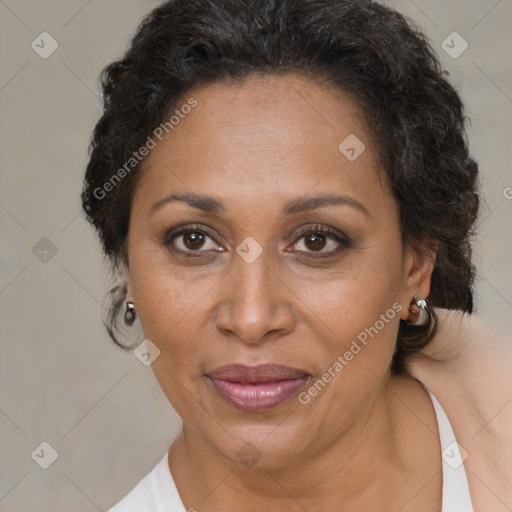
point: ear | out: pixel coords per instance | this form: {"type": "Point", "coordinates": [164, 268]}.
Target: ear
{"type": "Point", "coordinates": [418, 266]}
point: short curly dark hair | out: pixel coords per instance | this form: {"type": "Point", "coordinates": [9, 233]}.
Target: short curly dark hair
{"type": "Point", "coordinates": [367, 50]}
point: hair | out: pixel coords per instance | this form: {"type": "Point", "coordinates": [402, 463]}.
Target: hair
{"type": "Point", "coordinates": [366, 50]}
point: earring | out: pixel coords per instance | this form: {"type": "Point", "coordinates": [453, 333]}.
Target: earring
{"type": "Point", "coordinates": [130, 314]}
{"type": "Point", "coordinates": [420, 307]}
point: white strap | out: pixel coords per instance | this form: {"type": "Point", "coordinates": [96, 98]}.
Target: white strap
{"type": "Point", "coordinates": [456, 496]}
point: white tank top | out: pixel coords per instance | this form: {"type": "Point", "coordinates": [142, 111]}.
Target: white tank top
{"type": "Point", "coordinates": [157, 492]}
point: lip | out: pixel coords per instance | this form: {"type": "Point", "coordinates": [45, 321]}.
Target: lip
{"type": "Point", "coordinates": [257, 388]}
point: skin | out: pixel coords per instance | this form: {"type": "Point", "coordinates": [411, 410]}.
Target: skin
{"type": "Point", "coordinates": [468, 367]}
{"type": "Point", "coordinates": [368, 441]}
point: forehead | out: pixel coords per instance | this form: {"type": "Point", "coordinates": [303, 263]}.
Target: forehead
{"type": "Point", "coordinates": [285, 133]}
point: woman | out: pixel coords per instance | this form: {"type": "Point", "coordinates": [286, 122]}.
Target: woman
{"type": "Point", "coordinates": [286, 190]}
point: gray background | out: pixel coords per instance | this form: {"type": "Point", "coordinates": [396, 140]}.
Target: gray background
{"type": "Point", "coordinates": [62, 380]}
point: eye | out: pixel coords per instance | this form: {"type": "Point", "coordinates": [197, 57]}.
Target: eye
{"type": "Point", "coordinates": [201, 239]}
{"type": "Point", "coordinates": [320, 239]}
{"type": "Point", "coordinates": [192, 239]}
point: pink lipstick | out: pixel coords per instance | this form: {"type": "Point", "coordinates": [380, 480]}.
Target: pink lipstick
{"type": "Point", "coordinates": [257, 388]}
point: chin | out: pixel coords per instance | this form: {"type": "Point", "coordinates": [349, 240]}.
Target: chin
{"type": "Point", "coordinates": [261, 445]}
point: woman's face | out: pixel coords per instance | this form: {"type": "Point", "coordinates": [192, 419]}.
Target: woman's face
{"type": "Point", "coordinates": [267, 274]}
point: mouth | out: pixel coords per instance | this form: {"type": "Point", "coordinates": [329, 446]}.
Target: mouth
{"type": "Point", "coordinates": [257, 388]}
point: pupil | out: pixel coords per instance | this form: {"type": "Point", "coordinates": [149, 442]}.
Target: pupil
{"type": "Point", "coordinates": [318, 242]}
{"type": "Point", "coordinates": [193, 240]}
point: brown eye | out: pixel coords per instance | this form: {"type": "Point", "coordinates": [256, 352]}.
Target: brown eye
{"type": "Point", "coordinates": [191, 239]}
{"type": "Point", "coordinates": [320, 239]}
{"type": "Point", "coordinates": [315, 242]}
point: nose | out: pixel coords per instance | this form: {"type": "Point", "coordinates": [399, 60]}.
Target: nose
{"type": "Point", "coordinates": [255, 303]}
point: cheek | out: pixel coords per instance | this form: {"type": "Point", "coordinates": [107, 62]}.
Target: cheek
{"type": "Point", "coordinates": [358, 310]}
{"type": "Point", "coordinates": [173, 307]}
{"type": "Point", "coordinates": [171, 314]}
{"type": "Point", "coordinates": [363, 323]}
{"type": "Point", "coordinates": [168, 309]}
{"type": "Point", "coordinates": [162, 296]}
{"type": "Point", "coordinates": [362, 313]}
{"type": "Point", "coordinates": [366, 284]}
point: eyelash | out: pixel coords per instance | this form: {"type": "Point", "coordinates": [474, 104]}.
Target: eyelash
{"type": "Point", "coordinates": [196, 228]}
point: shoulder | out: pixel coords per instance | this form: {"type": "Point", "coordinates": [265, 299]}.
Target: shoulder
{"type": "Point", "coordinates": [475, 356]}
{"type": "Point", "coordinates": [470, 360]}
{"type": "Point", "coordinates": [468, 368]}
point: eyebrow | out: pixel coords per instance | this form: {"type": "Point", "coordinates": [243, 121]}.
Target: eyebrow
{"type": "Point", "coordinates": [300, 204]}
